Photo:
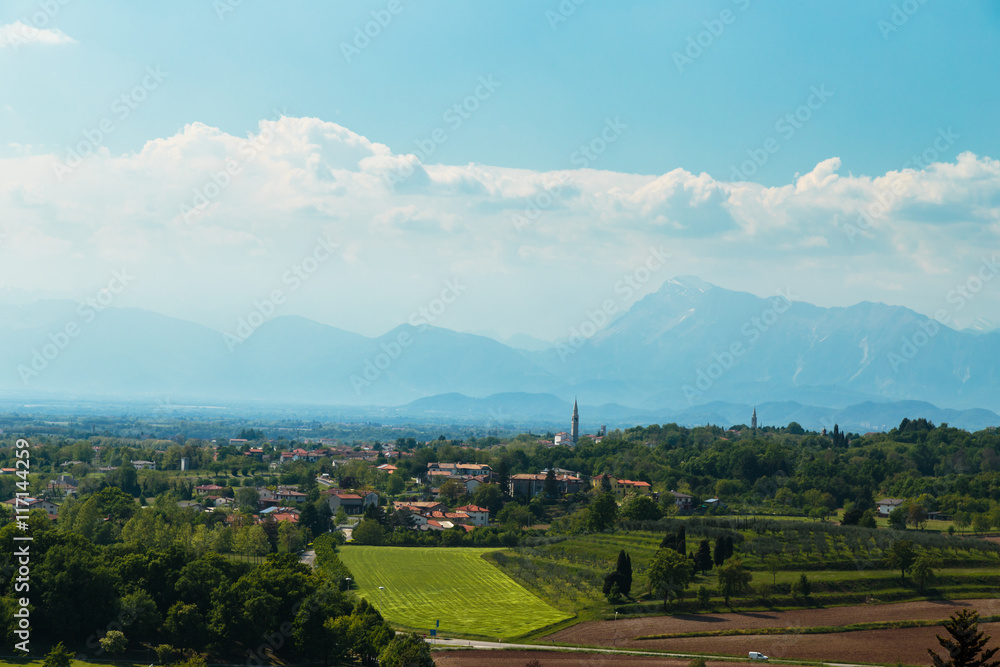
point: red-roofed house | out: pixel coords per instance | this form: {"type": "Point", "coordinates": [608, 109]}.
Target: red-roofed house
{"type": "Point", "coordinates": [479, 516]}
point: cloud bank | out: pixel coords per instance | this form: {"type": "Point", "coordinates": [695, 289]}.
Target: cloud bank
{"type": "Point", "coordinates": [208, 222]}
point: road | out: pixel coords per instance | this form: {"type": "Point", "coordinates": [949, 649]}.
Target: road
{"type": "Point", "coordinates": [309, 557]}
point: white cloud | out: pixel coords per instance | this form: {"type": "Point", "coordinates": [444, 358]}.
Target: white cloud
{"type": "Point", "coordinates": [405, 227]}
{"type": "Point", "coordinates": [14, 35]}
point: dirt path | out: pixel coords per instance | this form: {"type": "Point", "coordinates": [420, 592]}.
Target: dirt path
{"type": "Point", "coordinates": [614, 633]}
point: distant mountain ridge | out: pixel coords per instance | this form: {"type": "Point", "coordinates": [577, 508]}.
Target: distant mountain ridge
{"type": "Point", "coordinates": [687, 349]}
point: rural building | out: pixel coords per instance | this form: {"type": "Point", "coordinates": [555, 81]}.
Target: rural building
{"type": "Point", "coordinates": [34, 504]}
{"type": "Point", "coordinates": [478, 516]}
{"type": "Point", "coordinates": [620, 487]}
{"type": "Point", "coordinates": [682, 500]}
{"type": "Point", "coordinates": [887, 505]}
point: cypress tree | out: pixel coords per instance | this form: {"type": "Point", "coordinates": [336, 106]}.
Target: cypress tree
{"type": "Point", "coordinates": [703, 558]}
{"type": "Point", "coordinates": [627, 575]}
{"type": "Point", "coordinates": [719, 555]}
{"type": "Point", "coordinates": [669, 541]}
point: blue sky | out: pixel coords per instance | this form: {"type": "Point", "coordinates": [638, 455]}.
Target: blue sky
{"type": "Point", "coordinates": [873, 84]}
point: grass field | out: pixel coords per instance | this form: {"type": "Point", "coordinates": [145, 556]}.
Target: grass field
{"type": "Point", "coordinates": [456, 586]}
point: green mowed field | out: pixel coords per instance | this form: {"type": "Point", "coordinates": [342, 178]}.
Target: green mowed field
{"type": "Point", "coordinates": [456, 586]}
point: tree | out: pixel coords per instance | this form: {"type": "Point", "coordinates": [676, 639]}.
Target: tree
{"type": "Point", "coordinates": [395, 485]}
{"type": "Point", "coordinates": [669, 574]}
{"type": "Point", "coordinates": [602, 512]}
{"type": "Point", "coordinates": [514, 515]}
{"type": "Point", "coordinates": [406, 651]}
{"type": "Point", "coordinates": [773, 564]}
{"type": "Point", "coordinates": [489, 496]}
{"type": "Point", "coordinates": [452, 490]}
{"type": "Point", "coordinates": [614, 593]}
{"type": "Point", "coordinates": [966, 647]}
{"type": "Point", "coordinates": [186, 626]}
{"type": "Point", "coordinates": [868, 519]}
{"type": "Point", "coordinates": [624, 568]}
{"type": "Point", "coordinates": [923, 571]}
{"type": "Point", "coordinates": [59, 656]}
{"type": "Point", "coordinates": [897, 518]}
{"type": "Point", "coordinates": [980, 523]}
{"type": "Point", "coordinates": [703, 557]}
{"type": "Point", "coordinates": [368, 532]}
{"type": "Point", "coordinates": [733, 579]}
{"type": "Point", "coordinates": [612, 581]}
{"type": "Point", "coordinates": [704, 595]}
{"type": "Point", "coordinates": [851, 517]}
{"type": "Point", "coordinates": [140, 616]}
{"type": "Point", "coordinates": [114, 642]}
{"type": "Point", "coordinates": [803, 586]}
{"type": "Point", "coordinates": [164, 653]}
{"type": "Point", "coordinates": [916, 515]}
{"type": "Point", "coordinates": [246, 499]}
{"type": "Point", "coordinates": [719, 553]}
{"type": "Point", "coordinates": [641, 508]}
{"type": "Point", "coordinates": [502, 475]}
{"type": "Point", "coordinates": [901, 555]}
{"type": "Point", "coordinates": [551, 488]}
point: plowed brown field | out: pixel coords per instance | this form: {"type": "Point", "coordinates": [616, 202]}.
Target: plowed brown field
{"type": "Point", "coordinates": [906, 645]}
{"type": "Point", "coordinates": [613, 633]}
{"type": "Point", "coordinates": [553, 659]}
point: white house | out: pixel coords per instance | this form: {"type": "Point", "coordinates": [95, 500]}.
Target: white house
{"type": "Point", "coordinates": [478, 516]}
{"type": "Point", "coordinates": [887, 505]}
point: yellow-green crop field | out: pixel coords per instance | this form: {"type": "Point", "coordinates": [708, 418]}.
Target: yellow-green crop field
{"type": "Point", "coordinates": [456, 586]}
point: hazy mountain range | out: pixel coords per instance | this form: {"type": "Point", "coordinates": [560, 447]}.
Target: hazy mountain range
{"type": "Point", "coordinates": [691, 350]}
